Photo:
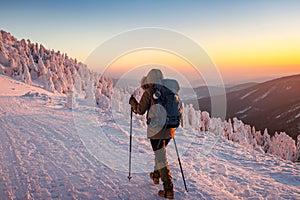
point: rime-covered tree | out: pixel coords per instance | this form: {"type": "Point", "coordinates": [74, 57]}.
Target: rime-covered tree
{"type": "Point", "coordinates": [41, 69]}
{"type": "Point", "coordinates": [102, 100]}
{"type": "Point", "coordinates": [26, 77]}
{"type": "Point", "coordinates": [48, 83]}
{"type": "Point", "coordinates": [57, 83]}
{"type": "Point", "coordinates": [90, 93]}
{"type": "Point", "coordinates": [205, 120]}
{"type": "Point", "coordinates": [32, 67]}
{"type": "Point", "coordinates": [3, 55]}
{"type": "Point", "coordinates": [2, 68]}
{"type": "Point", "coordinates": [70, 99]}
{"type": "Point", "coordinates": [266, 141]}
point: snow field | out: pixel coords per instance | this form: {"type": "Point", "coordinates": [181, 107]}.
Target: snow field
{"type": "Point", "coordinates": [48, 151]}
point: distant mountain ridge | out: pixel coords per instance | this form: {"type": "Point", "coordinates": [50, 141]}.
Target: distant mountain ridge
{"type": "Point", "coordinates": [273, 104]}
{"type": "Point", "coordinates": [240, 86]}
{"type": "Point", "coordinates": [203, 91]}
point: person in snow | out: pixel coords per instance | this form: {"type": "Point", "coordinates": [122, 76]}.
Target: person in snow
{"type": "Point", "coordinates": [159, 138]}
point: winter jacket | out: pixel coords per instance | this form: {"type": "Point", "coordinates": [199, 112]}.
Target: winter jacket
{"type": "Point", "coordinates": [144, 106]}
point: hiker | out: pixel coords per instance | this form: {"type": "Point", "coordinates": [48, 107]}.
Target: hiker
{"type": "Point", "coordinates": [159, 137]}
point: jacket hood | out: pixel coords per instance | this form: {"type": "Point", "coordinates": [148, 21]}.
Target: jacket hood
{"type": "Point", "coordinates": [154, 76]}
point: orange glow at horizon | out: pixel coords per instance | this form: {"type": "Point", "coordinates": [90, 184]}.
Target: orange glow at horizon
{"type": "Point", "coordinates": [233, 65]}
{"type": "Point", "coordinates": [251, 52]}
{"type": "Point", "coordinates": [150, 59]}
{"type": "Point", "coordinates": [256, 58]}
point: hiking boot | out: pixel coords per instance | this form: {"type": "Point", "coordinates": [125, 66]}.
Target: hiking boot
{"type": "Point", "coordinates": [166, 194]}
{"type": "Point", "coordinates": [166, 178]}
{"type": "Point", "coordinates": [155, 177]}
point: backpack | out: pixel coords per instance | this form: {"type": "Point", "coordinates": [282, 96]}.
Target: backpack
{"type": "Point", "coordinates": [166, 96]}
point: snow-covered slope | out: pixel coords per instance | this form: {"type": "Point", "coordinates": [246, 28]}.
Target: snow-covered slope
{"type": "Point", "coordinates": [54, 71]}
{"type": "Point", "coordinates": [48, 151]}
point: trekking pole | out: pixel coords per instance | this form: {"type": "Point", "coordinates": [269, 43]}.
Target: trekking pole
{"type": "Point", "coordinates": [130, 141]}
{"type": "Point", "coordinates": [180, 165]}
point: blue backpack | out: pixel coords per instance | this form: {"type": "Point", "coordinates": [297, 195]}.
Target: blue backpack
{"type": "Point", "coordinates": [166, 95]}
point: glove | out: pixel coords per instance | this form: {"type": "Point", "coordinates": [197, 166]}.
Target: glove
{"type": "Point", "coordinates": [132, 100]}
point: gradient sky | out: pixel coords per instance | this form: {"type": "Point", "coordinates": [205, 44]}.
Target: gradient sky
{"type": "Point", "coordinates": [247, 40]}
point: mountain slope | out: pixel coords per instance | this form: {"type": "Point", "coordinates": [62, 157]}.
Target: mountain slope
{"type": "Point", "coordinates": [203, 91]}
{"type": "Point", "coordinates": [273, 104]}
{"type": "Point", "coordinates": [54, 71]}
{"type": "Point", "coordinates": [47, 153]}
{"type": "Point", "coordinates": [240, 87]}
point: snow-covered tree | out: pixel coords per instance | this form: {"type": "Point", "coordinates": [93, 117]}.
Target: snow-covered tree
{"type": "Point", "coordinates": [185, 116]}
{"type": "Point", "coordinates": [57, 83]}
{"type": "Point", "coordinates": [228, 130]}
{"type": "Point", "coordinates": [2, 68]}
{"type": "Point", "coordinates": [26, 77]}
{"type": "Point", "coordinates": [69, 78]}
{"type": "Point", "coordinates": [32, 67]}
{"type": "Point", "coordinates": [77, 82]}
{"type": "Point", "coordinates": [258, 136]}
{"type": "Point", "coordinates": [102, 100]}
{"type": "Point", "coordinates": [41, 69]}
{"type": "Point", "coordinates": [282, 146]}
{"type": "Point", "coordinates": [205, 120]}
{"type": "Point", "coordinates": [48, 83]}
{"type": "Point", "coordinates": [266, 141]}
{"type": "Point", "coordinates": [3, 55]}
{"type": "Point", "coordinates": [71, 100]}
{"type": "Point", "coordinates": [90, 93]}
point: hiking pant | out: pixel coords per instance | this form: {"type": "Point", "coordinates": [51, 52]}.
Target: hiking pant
{"type": "Point", "coordinates": [160, 162]}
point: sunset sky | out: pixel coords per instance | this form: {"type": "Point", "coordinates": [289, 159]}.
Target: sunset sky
{"type": "Point", "coordinates": [247, 40]}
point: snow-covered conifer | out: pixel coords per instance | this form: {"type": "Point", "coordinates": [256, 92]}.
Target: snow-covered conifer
{"type": "Point", "coordinates": [48, 83]}
{"type": "Point", "coordinates": [69, 78]}
{"type": "Point", "coordinates": [32, 67]}
{"type": "Point", "coordinates": [102, 100]}
{"type": "Point", "coordinates": [57, 83]}
{"type": "Point", "coordinates": [41, 69]}
{"type": "Point", "coordinates": [2, 68]}
{"type": "Point", "coordinates": [90, 93]}
{"type": "Point", "coordinates": [70, 99]}
{"type": "Point", "coordinates": [205, 120]}
{"type": "Point", "coordinates": [266, 141]}
{"type": "Point", "coordinates": [26, 77]}
{"type": "Point", "coordinates": [3, 55]}
{"type": "Point", "coordinates": [77, 83]}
